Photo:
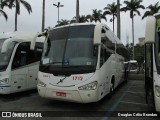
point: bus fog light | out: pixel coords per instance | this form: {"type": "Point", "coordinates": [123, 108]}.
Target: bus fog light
{"type": "Point", "coordinates": [4, 81]}
{"type": "Point", "coordinates": [90, 86]}
{"type": "Point", "coordinates": [40, 83]}
{"type": "Point", "coordinates": [157, 90]}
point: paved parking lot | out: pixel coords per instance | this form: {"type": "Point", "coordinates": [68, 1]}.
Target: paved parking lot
{"type": "Point", "coordinates": [129, 98]}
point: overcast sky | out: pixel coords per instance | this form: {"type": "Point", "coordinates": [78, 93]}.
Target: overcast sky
{"type": "Point", "coordinates": [33, 21]}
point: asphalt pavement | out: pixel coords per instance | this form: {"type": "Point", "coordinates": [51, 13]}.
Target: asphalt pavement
{"type": "Point", "coordinates": [127, 103]}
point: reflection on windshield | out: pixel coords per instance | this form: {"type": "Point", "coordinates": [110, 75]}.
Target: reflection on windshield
{"type": "Point", "coordinates": [5, 57]}
{"type": "Point", "coordinates": [70, 46]}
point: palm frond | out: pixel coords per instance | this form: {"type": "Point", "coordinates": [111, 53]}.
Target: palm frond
{"type": "Point", "coordinates": [4, 14]}
{"type": "Point", "coordinates": [27, 6]}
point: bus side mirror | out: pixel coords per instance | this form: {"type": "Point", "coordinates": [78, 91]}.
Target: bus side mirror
{"type": "Point", "coordinates": [150, 29]}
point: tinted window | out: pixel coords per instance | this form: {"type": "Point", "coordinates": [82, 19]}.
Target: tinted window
{"type": "Point", "coordinates": [25, 56]}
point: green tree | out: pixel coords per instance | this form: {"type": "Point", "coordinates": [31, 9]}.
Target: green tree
{"type": "Point", "coordinates": [139, 54]}
{"type": "Point", "coordinates": [111, 9]}
{"type": "Point", "coordinates": [83, 19]}
{"type": "Point", "coordinates": [16, 4]}
{"type": "Point", "coordinates": [133, 6]}
{"type": "Point", "coordinates": [152, 10]}
{"type": "Point", "coordinates": [96, 16]}
{"type": "Point", "coordinates": [62, 22]}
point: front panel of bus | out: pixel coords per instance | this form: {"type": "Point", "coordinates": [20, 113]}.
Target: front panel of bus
{"type": "Point", "coordinates": [67, 69]}
{"type": "Point", "coordinates": [19, 67]}
{"type": "Point", "coordinates": [4, 67]}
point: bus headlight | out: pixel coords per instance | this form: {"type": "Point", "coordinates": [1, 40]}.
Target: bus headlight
{"type": "Point", "coordinates": [90, 86]}
{"type": "Point", "coordinates": [157, 90]}
{"type": "Point", "coordinates": [4, 81]}
{"type": "Point", "coordinates": [42, 84]}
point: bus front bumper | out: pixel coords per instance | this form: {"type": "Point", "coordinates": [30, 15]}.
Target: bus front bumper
{"type": "Point", "coordinates": [157, 103]}
{"type": "Point", "coordinates": [80, 96]}
{"type": "Point", "coordinates": [4, 89]}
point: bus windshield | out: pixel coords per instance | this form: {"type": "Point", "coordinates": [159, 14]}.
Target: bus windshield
{"type": "Point", "coordinates": [5, 57]}
{"type": "Point", "coordinates": [70, 50]}
{"type": "Point", "coordinates": [133, 66]}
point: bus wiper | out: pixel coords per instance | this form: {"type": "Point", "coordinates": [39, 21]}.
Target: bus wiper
{"type": "Point", "coordinates": [61, 80]}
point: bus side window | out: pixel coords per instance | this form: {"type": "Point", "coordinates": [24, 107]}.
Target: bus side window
{"type": "Point", "coordinates": [35, 55]}
{"type": "Point", "coordinates": [20, 57]}
{"type": "Point", "coordinates": [107, 54]}
{"type": "Point", "coordinates": [31, 56]}
{"type": "Point", "coordinates": [102, 56]}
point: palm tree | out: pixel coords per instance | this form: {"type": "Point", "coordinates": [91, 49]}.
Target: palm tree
{"type": "Point", "coordinates": [118, 20]}
{"type": "Point", "coordinates": [17, 3]}
{"type": "Point", "coordinates": [2, 5]}
{"type": "Point", "coordinates": [96, 16]}
{"type": "Point", "coordinates": [111, 9]}
{"type": "Point", "coordinates": [82, 19]}
{"type": "Point", "coordinates": [77, 11]}
{"type": "Point", "coordinates": [152, 10]}
{"type": "Point", "coordinates": [133, 7]}
{"type": "Point", "coordinates": [62, 22]}
{"type": "Point", "coordinates": [3, 13]}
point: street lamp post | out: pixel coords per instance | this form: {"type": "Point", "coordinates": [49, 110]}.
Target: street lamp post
{"type": "Point", "coordinates": [58, 6]}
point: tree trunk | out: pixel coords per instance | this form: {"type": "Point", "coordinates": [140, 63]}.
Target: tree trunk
{"type": "Point", "coordinates": [118, 20]}
{"type": "Point", "coordinates": [15, 28]}
{"type": "Point", "coordinates": [43, 15]}
{"type": "Point", "coordinates": [133, 35]}
{"type": "Point", "coordinates": [77, 11]}
{"type": "Point", "coordinates": [113, 23]}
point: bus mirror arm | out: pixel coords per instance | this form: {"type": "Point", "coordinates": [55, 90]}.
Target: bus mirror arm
{"type": "Point", "coordinates": [42, 34]}
{"type": "Point", "coordinates": [32, 47]}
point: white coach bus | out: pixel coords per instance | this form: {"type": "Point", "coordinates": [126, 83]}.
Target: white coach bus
{"type": "Point", "coordinates": [133, 66]}
{"type": "Point", "coordinates": [152, 60]}
{"type": "Point", "coordinates": [18, 63]}
{"type": "Point", "coordinates": [81, 63]}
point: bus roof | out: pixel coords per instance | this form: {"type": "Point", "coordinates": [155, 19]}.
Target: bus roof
{"type": "Point", "coordinates": [99, 26]}
{"type": "Point", "coordinates": [19, 37]}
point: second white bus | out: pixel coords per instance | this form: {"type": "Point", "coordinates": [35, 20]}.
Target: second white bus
{"type": "Point", "coordinates": [81, 63]}
{"type": "Point", "coordinates": [152, 60]}
{"type": "Point", "coordinates": [18, 63]}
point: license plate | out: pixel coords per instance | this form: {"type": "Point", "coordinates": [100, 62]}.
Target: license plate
{"type": "Point", "coordinates": [62, 94]}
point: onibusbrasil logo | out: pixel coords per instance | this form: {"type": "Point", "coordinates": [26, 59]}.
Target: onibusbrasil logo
{"type": "Point", "coordinates": [21, 114]}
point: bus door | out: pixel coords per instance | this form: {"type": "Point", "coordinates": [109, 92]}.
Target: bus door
{"type": "Point", "coordinates": [19, 69]}
{"type": "Point", "coordinates": [34, 57]}
{"type": "Point", "coordinates": [149, 71]}
{"type": "Point", "coordinates": [25, 67]}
